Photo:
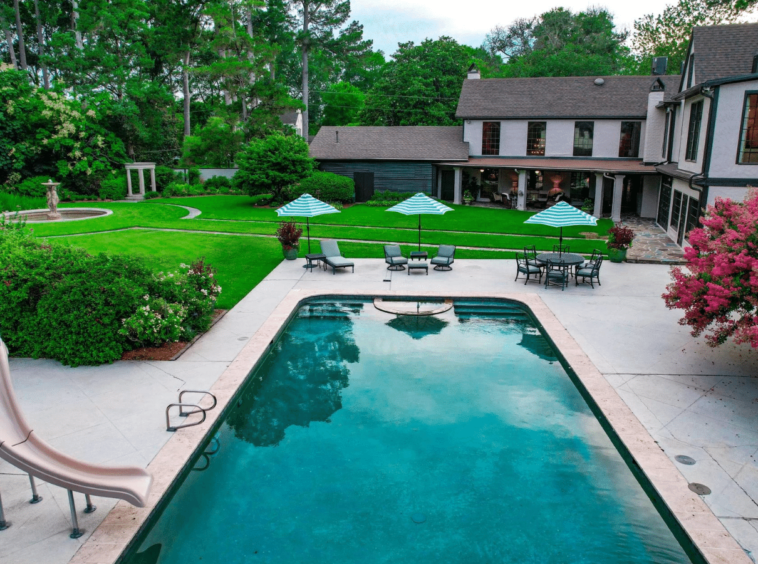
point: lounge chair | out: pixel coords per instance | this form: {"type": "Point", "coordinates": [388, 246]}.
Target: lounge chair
{"type": "Point", "coordinates": [445, 257]}
{"type": "Point", "coordinates": [333, 256]}
{"type": "Point", "coordinates": [590, 271]}
{"type": "Point", "coordinates": [523, 267]}
{"type": "Point", "coordinates": [394, 257]}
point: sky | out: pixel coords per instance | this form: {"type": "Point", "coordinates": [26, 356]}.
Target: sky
{"type": "Point", "coordinates": [389, 22]}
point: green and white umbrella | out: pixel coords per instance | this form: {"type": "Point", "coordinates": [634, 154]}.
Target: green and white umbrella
{"type": "Point", "coordinates": [306, 206]}
{"type": "Point", "coordinates": [420, 204]}
{"type": "Point", "coordinates": [562, 215]}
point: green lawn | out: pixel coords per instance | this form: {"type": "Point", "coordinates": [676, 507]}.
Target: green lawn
{"type": "Point", "coordinates": [242, 262]}
{"type": "Point", "coordinates": [222, 234]}
{"type": "Point", "coordinates": [463, 218]}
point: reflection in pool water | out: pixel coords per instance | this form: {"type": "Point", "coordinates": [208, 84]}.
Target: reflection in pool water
{"type": "Point", "coordinates": [358, 441]}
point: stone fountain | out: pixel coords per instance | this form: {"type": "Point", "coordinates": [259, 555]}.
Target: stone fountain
{"type": "Point", "coordinates": [52, 213]}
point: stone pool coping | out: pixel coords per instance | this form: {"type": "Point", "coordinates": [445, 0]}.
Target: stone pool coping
{"type": "Point", "coordinates": [124, 522]}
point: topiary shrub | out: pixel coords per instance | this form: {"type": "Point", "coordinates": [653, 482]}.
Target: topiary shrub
{"type": "Point", "coordinates": [326, 186]}
{"type": "Point", "coordinates": [60, 302]}
{"type": "Point", "coordinates": [113, 188]}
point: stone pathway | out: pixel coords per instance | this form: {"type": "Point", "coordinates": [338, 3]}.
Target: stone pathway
{"type": "Point", "coordinates": [651, 245]}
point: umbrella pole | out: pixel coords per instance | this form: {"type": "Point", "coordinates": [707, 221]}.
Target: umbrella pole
{"type": "Point", "coordinates": [308, 225]}
{"type": "Point", "coordinates": [560, 244]}
{"type": "Point", "coordinates": [419, 232]}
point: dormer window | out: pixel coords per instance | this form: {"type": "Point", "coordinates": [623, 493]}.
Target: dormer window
{"type": "Point", "coordinates": [491, 138]}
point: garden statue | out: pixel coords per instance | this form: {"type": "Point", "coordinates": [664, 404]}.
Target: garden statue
{"type": "Point", "coordinates": [52, 199]}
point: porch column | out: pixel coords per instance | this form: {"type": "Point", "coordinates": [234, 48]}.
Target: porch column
{"type": "Point", "coordinates": [457, 196]}
{"type": "Point", "coordinates": [618, 193]}
{"type": "Point", "coordinates": [129, 182]}
{"type": "Point", "coordinates": [599, 180]}
{"type": "Point", "coordinates": [152, 179]}
{"type": "Point", "coordinates": [521, 202]}
{"type": "Point", "coordinates": [141, 173]}
{"type": "Point", "coordinates": [439, 183]}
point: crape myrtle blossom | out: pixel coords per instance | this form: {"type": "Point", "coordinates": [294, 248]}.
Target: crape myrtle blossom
{"type": "Point", "coordinates": [718, 290]}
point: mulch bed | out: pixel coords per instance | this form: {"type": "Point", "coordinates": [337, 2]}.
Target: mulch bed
{"type": "Point", "coordinates": [169, 351]}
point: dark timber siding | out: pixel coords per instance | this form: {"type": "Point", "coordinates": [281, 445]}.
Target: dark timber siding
{"type": "Point", "coordinates": [399, 176]}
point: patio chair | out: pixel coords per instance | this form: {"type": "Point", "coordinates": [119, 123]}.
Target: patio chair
{"type": "Point", "coordinates": [497, 197]}
{"type": "Point", "coordinates": [333, 256]}
{"type": "Point", "coordinates": [596, 254]}
{"type": "Point", "coordinates": [557, 274]}
{"type": "Point", "coordinates": [531, 256]}
{"type": "Point", "coordinates": [445, 257]}
{"type": "Point", "coordinates": [530, 271]}
{"type": "Point", "coordinates": [563, 249]}
{"type": "Point", "coordinates": [591, 273]}
{"type": "Point", "coordinates": [394, 257]}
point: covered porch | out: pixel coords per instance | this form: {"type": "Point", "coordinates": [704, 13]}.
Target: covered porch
{"type": "Point", "coordinates": [603, 187]}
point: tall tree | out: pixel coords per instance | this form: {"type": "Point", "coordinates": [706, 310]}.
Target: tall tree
{"type": "Point", "coordinates": [668, 33]}
{"type": "Point", "coordinates": [320, 18]}
{"type": "Point", "coordinates": [8, 38]}
{"type": "Point", "coordinates": [421, 86]}
{"type": "Point", "coordinates": [20, 35]}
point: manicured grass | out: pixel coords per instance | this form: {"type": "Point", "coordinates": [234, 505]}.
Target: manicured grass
{"type": "Point", "coordinates": [464, 218]}
{"type": "Point", "coordinates": [242, 262]}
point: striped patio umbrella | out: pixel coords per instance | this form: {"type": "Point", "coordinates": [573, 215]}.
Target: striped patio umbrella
{"type": "Point", "coordinates": [306, 206]}
{"type": "Point", "coordinates": [420, 204]}
{"type": "Point", "coordinates": [562, 215]}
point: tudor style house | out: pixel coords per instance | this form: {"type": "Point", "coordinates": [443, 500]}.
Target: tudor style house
{"type": "Point", "coordinates": [659, 146]}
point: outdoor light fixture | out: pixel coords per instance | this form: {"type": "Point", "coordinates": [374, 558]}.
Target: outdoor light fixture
{"type": "Point", "coordinates": [481, 170]}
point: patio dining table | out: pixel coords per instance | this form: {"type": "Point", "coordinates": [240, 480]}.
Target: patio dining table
{"type": "Point", "coordinates": [570, 259]}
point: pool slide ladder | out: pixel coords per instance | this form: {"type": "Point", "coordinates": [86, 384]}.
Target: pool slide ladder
{"type": "Point", "coordinates": [22, 448]}
{"type": "Point", "coordinates": [196, 408]}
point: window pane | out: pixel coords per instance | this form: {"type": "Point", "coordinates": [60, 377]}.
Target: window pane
{"type": "Point", "coordinates": [693, 214]}
{"type": "Point", "coordinates": [535, 139]}
{"type": "Point", "coordinates": [664, 204]}
{"type": "Point", "coordinates": [749, 131]}
{"type": "Point", "coordinates": [583, 133]}
{"type": "Point", "coordinates": [693, 132]}
{"type": "Point", "coordinates": [676, 210]}
{"type": "Point", "coordinates": [665, 134]}
{"type": "Point", "coordinates": [491, 138]}
{"type": "Point", "coordinates": [629, 145]}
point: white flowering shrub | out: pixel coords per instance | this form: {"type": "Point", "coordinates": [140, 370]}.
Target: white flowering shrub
{"type": "Point", "coordinates": [155, 323]}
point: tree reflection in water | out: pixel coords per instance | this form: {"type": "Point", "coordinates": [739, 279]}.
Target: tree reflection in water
{"type": "Point", "coordinates": [302, 385]}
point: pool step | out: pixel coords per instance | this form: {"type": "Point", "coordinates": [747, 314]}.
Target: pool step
{"type": "Point", "coordinates": [492, 310]}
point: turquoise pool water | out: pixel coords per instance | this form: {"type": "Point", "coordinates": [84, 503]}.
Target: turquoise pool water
{"type": "Point", "coordinates": [368, 438]}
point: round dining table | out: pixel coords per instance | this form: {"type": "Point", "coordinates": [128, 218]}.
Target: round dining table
{"type": "Point", "coordinates": [570, 259]}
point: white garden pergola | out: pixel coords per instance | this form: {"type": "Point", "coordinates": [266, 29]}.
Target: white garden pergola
{"type": "Point", "coordinates": [140, 168]}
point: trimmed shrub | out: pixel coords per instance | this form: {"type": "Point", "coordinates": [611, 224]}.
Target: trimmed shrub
{"type": "Point", "coordinates": [33, 187]}
{"type": "Point", "coordinates": [217, 183]}
{"type": "Point", "coordinates": [60, 302]}
{"type": "Point", "coordinates": [113, 188]}
{"type": "Point", "coordinates": [165, 176]}
{"type": "Point", "coordinates": [326, 186]}
{"type": "Point", "coordinates": [152, 195]}
{"type": "Point", "coordinates": [193, 175]}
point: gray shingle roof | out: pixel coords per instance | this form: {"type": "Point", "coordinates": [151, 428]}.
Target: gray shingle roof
{"type": "Point", "coordinates": [401, 143]}
{"type": "Point", "coordinates": [559, 97]}
{"type": "Point", "coordinates": [724, 50]}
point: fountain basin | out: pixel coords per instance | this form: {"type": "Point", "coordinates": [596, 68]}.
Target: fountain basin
{"type": "Point", "coordinates": [66, 214]}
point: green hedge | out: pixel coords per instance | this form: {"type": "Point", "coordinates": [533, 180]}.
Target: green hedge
{"type": "Point", "coordinates": [326, 186]}
{"type": "Point", "coordinates": [113, 188]}
{"type": "Point", "coordinates": [60, 302]}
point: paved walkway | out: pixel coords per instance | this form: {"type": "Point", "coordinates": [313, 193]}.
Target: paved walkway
{"type": "Point", "coordinates": [695, 401]}
{"type": "Point", "coordinates": [651, 244]}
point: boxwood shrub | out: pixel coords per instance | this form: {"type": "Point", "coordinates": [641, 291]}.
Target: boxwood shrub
{"type": "Point", "coordinates": [326, 186]}
{"type": "Point", "coordinates": [62, 303]}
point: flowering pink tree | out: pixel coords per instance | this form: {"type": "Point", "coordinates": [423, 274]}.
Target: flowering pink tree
{"type": "Point", "coordinates": [718, 290]}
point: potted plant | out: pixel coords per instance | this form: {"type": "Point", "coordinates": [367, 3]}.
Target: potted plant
{"type": "Point", "coordinates": [619, 240]}
{"type": "Point", "coordinates": [588, 206]}
{"type": "Point", "coordinates": [289, 234]}
{"type": "Point", "coordinates": [468, 197]}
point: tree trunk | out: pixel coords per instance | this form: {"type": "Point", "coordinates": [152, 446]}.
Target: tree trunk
{"type": "Point", "coordinates": [20, 33]}
{"type": "Point", "coordinates": [306, 42]}
{"type": "Point", "coordinates": [75, 24]}
{"type": "Point", "coordinates": [9, 40]}
{"type": "Point", "coordinates": [41, 41]}
{"type": "Point", "coordinates": [251, 57]}
{"type": "Point", "coordinates": [185, 81]}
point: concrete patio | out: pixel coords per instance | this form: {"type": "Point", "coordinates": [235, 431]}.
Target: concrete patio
{"type": "Point", "coordinates": [694, 400]}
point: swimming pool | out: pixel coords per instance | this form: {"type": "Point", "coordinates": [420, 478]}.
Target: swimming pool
{"type": "Point", "coordinates": [369, 437]}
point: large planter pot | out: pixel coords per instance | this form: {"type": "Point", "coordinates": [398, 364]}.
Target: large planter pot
{"type": "Point", "coordinates": [290, 254]}
{"type": "Point", "coordinates": [617, 255]}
